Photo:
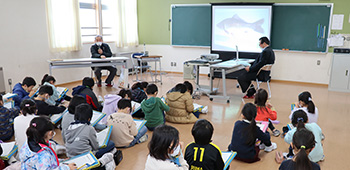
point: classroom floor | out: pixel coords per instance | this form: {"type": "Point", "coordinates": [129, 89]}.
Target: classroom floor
{"type": "Point", "coordinates": [334, 114]}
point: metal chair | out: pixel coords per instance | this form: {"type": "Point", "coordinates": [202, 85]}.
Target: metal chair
{"type": "Point", "coordinates": [260, 80]}
{"type": "Point", "coordinates": [139, 67]}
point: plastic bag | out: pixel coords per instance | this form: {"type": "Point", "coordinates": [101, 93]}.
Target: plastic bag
{"type": "Point", "coordinates": [123, 79]}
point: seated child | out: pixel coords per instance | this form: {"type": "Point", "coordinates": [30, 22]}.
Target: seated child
{"type": "Point", "coordinates": [307, 105]}
{"type": "Point", "coordinates": [37, 153]}
{"type": "Point", "coordinates": [125, 133]}
{"type": "Point", "coordinates": [80, 137]}
{"type": "Point", "coordinates": [6, 120]}
{"type": "Point", "coordinates": [21, 122]}
{"type": "Point", "coordinates": [111, 102]}
{"type": "Point", "coordinates": [85, 90]}
{"type": "Point", "coordinates": [68, 118]}
{"type": "Point", "coordinates": [300, 120]}
{"type": "Point", "coordinates": [265, 111]}
{"type": "Point", "coordinates": [137, 91]}
{"type": "Point", "coordinates": [303, 143]}
{"type": "Point", "coordinates": [202, 153]}
{"type": "Point", "coordinates": [24, 90]}
{"type": "Point", "coordinates": [165, 150]}
{"type": "Point", "coordinates": [50, 81]}
{"type": "Point", "coordinates": [245, 134]}
{"type": "Point", "coordinates": [181, 106]}
{"type": "Point", "coordinates": [43, 108]}
{"type": "Point", "coordinates": [154, 108]}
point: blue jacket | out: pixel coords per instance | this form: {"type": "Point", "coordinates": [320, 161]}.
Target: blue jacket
{"type": "Point", "coordinates": [21, 94]}
{"type": "Point", "coordinates": [239, 138]}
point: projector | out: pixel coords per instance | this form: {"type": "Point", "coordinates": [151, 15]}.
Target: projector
{"type": "Point", "coordinates": [210, 57]}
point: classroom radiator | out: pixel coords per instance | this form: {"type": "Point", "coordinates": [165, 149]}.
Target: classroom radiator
{"type": "Point", "coordinates": [2, 82]}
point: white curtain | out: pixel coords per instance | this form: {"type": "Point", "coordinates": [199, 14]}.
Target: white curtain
{"type": "Point", "coordinates": [63, 25]}
{"type": "Point", "coordinates": [126, 29]}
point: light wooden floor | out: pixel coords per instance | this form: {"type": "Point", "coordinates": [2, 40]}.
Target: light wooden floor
{"type": "Point", "coordinates": [334, 110]}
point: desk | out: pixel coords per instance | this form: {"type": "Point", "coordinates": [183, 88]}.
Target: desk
{"type": "Point", "coordinates": [86, 62]}
{"type": "Point", "coordinates": [155, 59]}
{"type": "Point", "coordinates": [226, 67]}
{"type": "Point", "coordinates": [201, 88]}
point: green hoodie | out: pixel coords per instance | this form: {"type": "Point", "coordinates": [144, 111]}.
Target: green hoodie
{"type": "Point", "coordinates": [153, 109]}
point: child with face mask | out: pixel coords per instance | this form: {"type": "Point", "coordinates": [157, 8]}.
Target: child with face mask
{"type": "Point", "coordinates": [125, 133]}
{"type": "Point", "coordinates": [165, 150]}
{"type": "Point", "coordinates": [43, 108]}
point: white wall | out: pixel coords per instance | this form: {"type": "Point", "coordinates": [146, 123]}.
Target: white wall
{"type": "Point", "coordinates": [290, 66]}
{"type": "Point", "coordinates": [24, 45]}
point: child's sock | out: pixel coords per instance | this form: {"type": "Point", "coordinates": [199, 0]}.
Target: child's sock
{"type": "Point", "coordinates": [106, 158]}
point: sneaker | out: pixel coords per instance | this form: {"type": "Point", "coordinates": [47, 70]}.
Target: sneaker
{"type": "Point", "coordinates": [106, 158]}
{"type": "Point", "coordinates": [109, 85]}
{"type": "Point", "coordinates": [276, 133]}
{"type": "Point", "coordinates": [262, 146]}
{"type": "Point", "coordinates": [144, 138]}
{"type": "Point", "coordinates": [271, 148]}
{"type": "Point", "coordinates": [287, 156]}
{"type": "Point", "coordinates": [99, 85]}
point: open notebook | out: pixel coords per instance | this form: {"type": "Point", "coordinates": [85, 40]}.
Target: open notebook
{"type": "Point", "coordinates": [103, 136]}
{"type": "Point", "coordinates": [263, 125]}
{"type": "Point", "coordinates": [8, 149]}
{"type": "Point", "coordinates": [8, 96]}
{"type": "Point", "coordinates": [10, 104]}
{"type": "Point", "coordinates": [96, 117]}
{"type": "Point", "coordinates": [84, 161]}
{"type": "Point", "coordinates": [140, 124]}
{"type": "Point", "coordinates": [57, 117]}
{"type": "Point", "coordinates": [136, 106]}
{"type": "Point", "coordinates": [227, 157]}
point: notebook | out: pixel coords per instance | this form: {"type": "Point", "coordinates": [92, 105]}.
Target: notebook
{"type": "Point", "coordinates": [227, 157]}
{"type": "Point", "coordinates": [164, 100]}
{"type": "Point", "coordinates": [136, 106]}
{"type": "Point", "coordinates": [103, 136]}
{"type": "Point", "coordinates": [263, 125]}
{"type": "Point", "coordinates": [96, 117]}
{"type": "Point", "coordinates": [10, 104]}
{"type": "Point", "coordinates": [8, 96]}
{"type": "Point", "coordinates": [8, 149]}
{"type": "Point", "coordinates": [139, 124]}
{"type": "Point", "coordinates": [84, 161]}
{"type": "Point", "coordinates": [57, 117]}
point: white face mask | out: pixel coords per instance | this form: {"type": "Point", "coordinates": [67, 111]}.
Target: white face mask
{"type": "Point", "coordinates": [176, 151]}
{"type": "Point", "coordinates": [99, 43]}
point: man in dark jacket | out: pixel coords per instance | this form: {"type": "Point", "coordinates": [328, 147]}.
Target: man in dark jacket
{"type": "Point", "coordinates": [85, 90]}
{"type": "Point", "coordinates": [102, 50]}
{"type": "Point", "coordinates": [267, 56]}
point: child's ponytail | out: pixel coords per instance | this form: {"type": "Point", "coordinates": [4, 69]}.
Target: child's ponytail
{"type": "Point", "coordinates": [299, 118]}
{"type": "Point", "coordinates": [303, 141]}
{"type": "Point", "coordinates": [28, 106]}
{"type": "Point", "coordinates": [47, 78]}
{"type": "Point", "coordinates": [249, 112]}
{"type": "Point", "coordinates": [37, 129]}
{"type": "Point", "coordinates": [307, 99]}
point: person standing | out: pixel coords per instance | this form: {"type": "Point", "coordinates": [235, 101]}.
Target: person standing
{"type": "Point", "coordinates": [267, 56]}
{"type": "Point", "coordinates": [101, 50]}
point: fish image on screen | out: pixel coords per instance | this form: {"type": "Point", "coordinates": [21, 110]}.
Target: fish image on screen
{"type": "Point", "coordinates": [240, 26]}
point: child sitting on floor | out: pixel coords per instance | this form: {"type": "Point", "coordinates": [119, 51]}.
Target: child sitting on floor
{"type": "Point", "coordinates": [85, 90]}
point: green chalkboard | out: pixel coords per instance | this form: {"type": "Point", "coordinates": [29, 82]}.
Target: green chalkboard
{"type": "Point", "coordinates": [191, 25]}
{"type": "Point", "coordinates": [300, 27]}
{"type": "Point", "coordinates": [296, 27]}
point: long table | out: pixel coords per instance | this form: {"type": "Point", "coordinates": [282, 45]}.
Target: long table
{"type": "Point", "coordinates": [86, 62]}
{"type": "Point", "coordinates": [226, 67]}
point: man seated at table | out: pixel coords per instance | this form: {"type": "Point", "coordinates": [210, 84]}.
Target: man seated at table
{"type": "Point", "coordinates": [102, 50]}
{"type": "Point", "coordinates": [267, 56]}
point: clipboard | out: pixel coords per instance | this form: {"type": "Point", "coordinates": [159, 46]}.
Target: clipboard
{"type": "Point", "coordinates": [57, 117]}
{"type": "Point", "coordinates": [96, 117]}
{"type": "Point", "coordinates": [8, 148]}
{"type": "Point", "coordinates": [227, 157]}
{"type": "Point", "coordinates": [84, 161]}
{"type": "Point", "coordinates": [140, 124]}
{"type": "Point", "coordinates": [103, 136]}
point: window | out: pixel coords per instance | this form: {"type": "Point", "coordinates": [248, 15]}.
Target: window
{"type": "Point", "coordinates": [98, 17]}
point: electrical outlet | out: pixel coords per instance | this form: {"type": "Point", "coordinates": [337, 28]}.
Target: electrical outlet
{"type": "Point", "coordinates": [318, 62]}
{"type": "Point", "coordinates": [174, 64]}
{"type": "Point", "coordinates": [171, 64]}
{"type": "Point", "coordinates": [10, 81]}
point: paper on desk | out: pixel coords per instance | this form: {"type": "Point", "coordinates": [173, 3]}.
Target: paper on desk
{"type": "Point", "coordinates": [337, 21]}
